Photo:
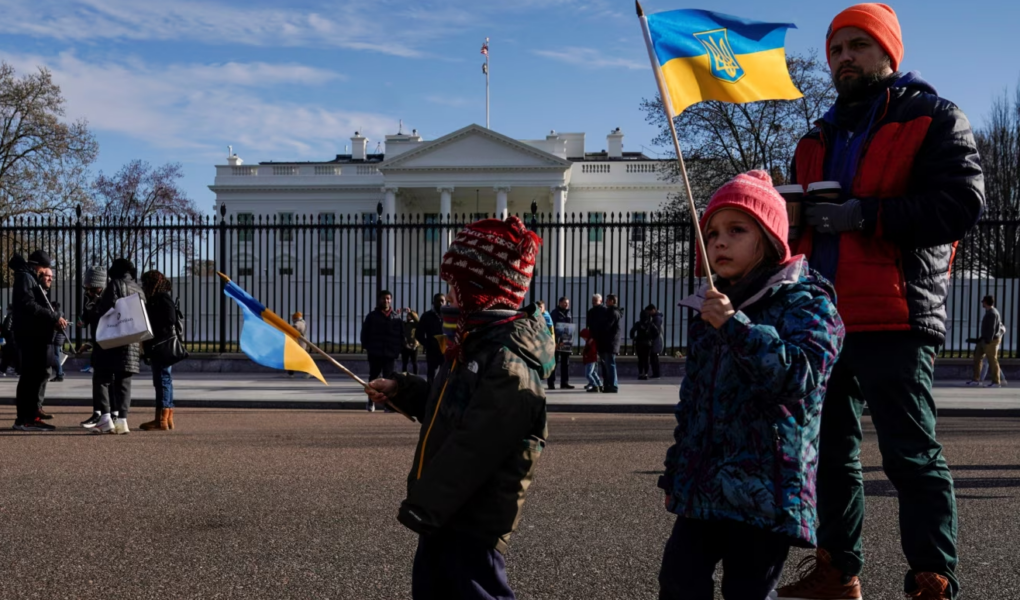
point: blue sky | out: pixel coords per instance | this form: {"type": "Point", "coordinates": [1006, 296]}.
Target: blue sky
{"type": "Point", "coordinates": [180, 80]}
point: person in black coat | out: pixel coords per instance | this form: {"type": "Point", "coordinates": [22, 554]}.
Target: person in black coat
{"type": "Point", "coordinates": [9, 352]}
{"type": "Point", "coordinates": [382, 337]}
{"type": "Point", "coordinates": [646, 334]}
{"type": "Point", "coordinates": [607, 337]}
{"type": "Point", "coordinates": [561, 314]}
{"type": "Point", "coordinates": [114, 367]}
{"type": "Point", "coordinates": [162, 311]}
{"type": "Point", "coordinates": [430, 325]}
{"type": "Point", "coordinates": [34, 323]}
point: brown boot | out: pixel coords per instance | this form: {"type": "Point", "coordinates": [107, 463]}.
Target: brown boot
{"type": "Point", "coordinates": [159, 424]}
{"type": "Point", "coordinates": [819, 580]}
{"type": "Point", "coordinates": [170, 418]}
{"type": "Point", "coordinates": [153, 424]}
{"type": "Point", "coordinates": [930, 586]}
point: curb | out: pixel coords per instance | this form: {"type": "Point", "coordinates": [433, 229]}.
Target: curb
{"type": "Point", "coordinates": [643, 409]}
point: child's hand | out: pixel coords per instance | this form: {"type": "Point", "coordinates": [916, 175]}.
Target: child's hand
{"type": "Point", "coordinates": [717, 308]}
{"type": "Point", "coordinates": [380, 390]}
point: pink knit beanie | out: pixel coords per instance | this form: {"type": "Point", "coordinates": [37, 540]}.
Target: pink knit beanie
{"type": "Point", "coordinates": [752, 193]}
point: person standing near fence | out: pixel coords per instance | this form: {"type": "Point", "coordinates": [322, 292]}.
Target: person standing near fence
{"type": "Point", "coordinates": [297, 320]}
{"type": "Point", "coordinates": [644, 333]}
{"type": "Point", "coordinates": [409, 353]}
{"type": "Point", "coordinates": [9, 353]}
{"type": "Point", "coordinates": [992, 331]}
{"type": "Point", "coordinates": [94, 282]}
{"type": "Point", "coordinates": [34, 323]}
{"type": "Point", "coordinates": [909, 188]}
{"type": "Point", "coordinates": [59, 339]}
{"type": "Point", "coordinates": [115, 366]}
{"type": "Point", "coordinates": [162, 311]}
{"type": "Point", "coordinates": [561, 318]}
{"type": "Point", "coordinates": [382, 337]}
{"type": "Point", "coordinates": [608, 336]}
{"type": "Point", "coordinates": [428, 334]}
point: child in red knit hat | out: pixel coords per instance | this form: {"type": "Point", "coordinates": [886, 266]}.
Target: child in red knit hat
{"type": "Point", "coordinates": [741, 474]}
{"type": "Point", "coordinates": [483, 419]}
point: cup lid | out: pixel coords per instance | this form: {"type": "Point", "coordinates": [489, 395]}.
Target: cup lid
{"type": "Point", "coordinates": [790, 189]}
{"type": "Point", "coordinates": [823, 185]}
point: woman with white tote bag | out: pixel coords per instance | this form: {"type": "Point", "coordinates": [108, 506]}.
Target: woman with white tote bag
{"type": "Point", "coordinates": [113, 367]}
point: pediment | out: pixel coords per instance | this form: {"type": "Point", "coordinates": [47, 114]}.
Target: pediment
{"type": "Point", "coordinates": [475, 147]}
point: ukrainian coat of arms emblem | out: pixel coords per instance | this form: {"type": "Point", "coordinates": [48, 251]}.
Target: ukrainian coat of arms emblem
{"type": "Point", "coordinates": [721, 56]}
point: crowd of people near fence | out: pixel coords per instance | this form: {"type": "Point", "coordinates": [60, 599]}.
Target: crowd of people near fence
{"type": "Point", "coordinates": [35, 343]}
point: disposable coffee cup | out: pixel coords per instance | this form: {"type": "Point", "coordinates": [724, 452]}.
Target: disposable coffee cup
{"type": "Point", "coordinates": [825, 191]}
{"type": "Point", "coordinates": [794, 196]}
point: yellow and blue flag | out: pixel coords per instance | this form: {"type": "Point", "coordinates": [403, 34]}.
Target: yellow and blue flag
{"type": "Point", "coordinates": [267, 339]}
{"type": "Point", "coordinates": [711, 56]}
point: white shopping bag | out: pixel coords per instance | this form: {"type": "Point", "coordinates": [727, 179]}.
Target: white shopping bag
{"type": "Point", "coordinates": [126, 323]}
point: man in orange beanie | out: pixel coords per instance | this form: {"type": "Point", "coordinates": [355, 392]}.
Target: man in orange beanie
{"type": "Point", "coordinates": [911, 186]}
{"type": "Point", "coordinates": [483, 418]}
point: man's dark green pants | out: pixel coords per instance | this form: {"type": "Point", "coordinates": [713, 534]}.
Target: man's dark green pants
{"type": "Point", "coordinates": [892, 373]}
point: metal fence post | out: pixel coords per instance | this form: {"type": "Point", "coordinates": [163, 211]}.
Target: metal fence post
{"type": "Point", "coordinates": [78, 291]}
{"type": "Point", "coordinates": [378, 251]}
{"type": "Point", "coordinates": [222, 266]}
{"type": "Point", "coordinates": [535, 273]}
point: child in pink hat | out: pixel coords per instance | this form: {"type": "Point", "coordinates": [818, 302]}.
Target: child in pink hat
{"type": "Point", "coordinates": [741, 474]}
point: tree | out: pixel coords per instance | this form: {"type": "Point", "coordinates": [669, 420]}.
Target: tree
{"type": "Point", "coordinates": [43, 160]}
{"type": "Point", "coordinates": [720, 140]}
{"type": "Point", "coordinates": [134, 200]}
{"type": "Point", "coordinates": [994, 246]}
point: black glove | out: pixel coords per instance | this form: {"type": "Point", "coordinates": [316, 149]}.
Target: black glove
{"type": "Point", "coordinates": [826, 217]}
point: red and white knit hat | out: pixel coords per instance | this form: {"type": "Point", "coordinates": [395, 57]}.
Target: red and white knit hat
{"type": "Point", "coordinates": [490, 264]}
{"type": "Point", "coordinates": [752, 193]}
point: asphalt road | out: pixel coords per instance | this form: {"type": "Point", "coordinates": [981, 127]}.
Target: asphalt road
{"type": "Point", "coordinates": [302, 504]}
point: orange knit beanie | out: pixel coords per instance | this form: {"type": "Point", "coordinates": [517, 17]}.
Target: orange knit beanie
{"type": "Point", "coordinates": [879, 21]}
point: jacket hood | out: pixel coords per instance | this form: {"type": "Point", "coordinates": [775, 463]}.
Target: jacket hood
{"type": "Point", "coordinates": [795, 271]}
{"type": "Point", "coordinates": [527, 337]}
{"type": "Point", "coordinates": [17, 263]}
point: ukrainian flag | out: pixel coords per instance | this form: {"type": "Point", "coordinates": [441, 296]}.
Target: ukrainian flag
{"type": "Point", "coordinates": [266, 338]}
{"type": "Point", "coordinates": [710, 56]}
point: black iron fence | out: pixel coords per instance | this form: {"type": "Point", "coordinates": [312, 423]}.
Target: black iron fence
{"type": "Point", "coordinates": [330, 267]}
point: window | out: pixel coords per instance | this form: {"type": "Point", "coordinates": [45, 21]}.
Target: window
{"type": "Point", "coordinates": [431, 233]}
{"type": "Point", "coordinates": [370, 218]}
{"type": "Point", "coordinates": [286, 221]}
{"type": "Point", "coordinates": [245, 234]}
{"type": "Point", "coordinates": [246, 271]}
{"type": "Point", "coordinates": [594, 272]}
{"type": "Point", "coordinates": [478, 216]}
{"type": "Point", "coordinates": [326, 271]}
{"type": "Point", "coordinates": [637, 233]}
{"type": "Point", "coordinates": [327, 233]}
{"type": "Point", "coordinates": [286, 270]}
{"type": "Point", "coordinates": [368, 271]}
{"type": "Point", "coordinates": [596, 234]}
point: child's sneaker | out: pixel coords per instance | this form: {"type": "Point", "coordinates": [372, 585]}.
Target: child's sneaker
{"type": "Point", "coordinates": [994, 385]}
{"type": "Point", "coordinates": [973, 383]}
{"type": "Point", "coordinates": [819, 580]}
{"type": "Point", "coordinates": [930, 586]}
{"type": "Point", "coordinates": [105, 425]}
{"type": "Point", "coordinates": [92, 421]}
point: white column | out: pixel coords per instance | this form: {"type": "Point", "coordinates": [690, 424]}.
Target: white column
{"type": "Point", "coordinates": [445, 208]}
{"type": "Point", "coordinates": [501, 192]}
{"type": "Point", "coordinates": [559, 213]}
{"type": "Point", "coordinates": [390, 240]}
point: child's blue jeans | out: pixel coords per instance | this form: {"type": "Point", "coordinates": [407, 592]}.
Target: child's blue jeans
{"type": "Point", "coordinates": [591, 371]}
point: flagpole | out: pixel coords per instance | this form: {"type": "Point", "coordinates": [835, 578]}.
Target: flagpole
{"type": "Point", "coordinates": [487, 83]}
{"type": "Point", "coordinates": [667, 107]}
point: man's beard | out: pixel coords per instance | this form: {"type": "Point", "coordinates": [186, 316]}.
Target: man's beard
{"type": "Point", "coordinates": [856, 88]}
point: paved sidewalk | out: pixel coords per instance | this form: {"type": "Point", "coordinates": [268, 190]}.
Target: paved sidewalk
{"type": "Point", "coordinates": [257, 390]}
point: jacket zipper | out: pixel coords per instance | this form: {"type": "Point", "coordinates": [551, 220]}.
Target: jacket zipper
{"type": "Point", "coordinates": [425, 440]}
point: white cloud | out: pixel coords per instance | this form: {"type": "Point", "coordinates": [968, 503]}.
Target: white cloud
{"type": "Point", "coordinates": [356, 25]}
{"type": "Point", "coordinates": [196, 110]}
{"type": "Point", "coordinates": [590, 58]}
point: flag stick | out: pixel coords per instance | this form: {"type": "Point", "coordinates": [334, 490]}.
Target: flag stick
{"type": "Point", "coordinates": [290, 331]}
{"type": "Point", "coordinates": [667, 107]}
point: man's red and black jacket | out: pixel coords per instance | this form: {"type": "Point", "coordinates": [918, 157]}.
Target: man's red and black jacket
{"type": "Point", "coordinates": [918, 177]}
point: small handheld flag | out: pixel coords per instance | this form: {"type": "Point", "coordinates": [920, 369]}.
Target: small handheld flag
{"type": "Point", "coordinates": [711, 56]}
{"type": "Point", "coordinates": [267, 339]}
